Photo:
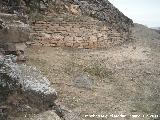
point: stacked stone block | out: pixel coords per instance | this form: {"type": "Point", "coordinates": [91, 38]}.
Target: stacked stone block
{"type": "Point", "coordinates": [90, 33]}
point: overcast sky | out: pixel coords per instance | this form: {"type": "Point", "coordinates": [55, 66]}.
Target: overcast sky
{"type": "Point", "coordinates": [146, 12]}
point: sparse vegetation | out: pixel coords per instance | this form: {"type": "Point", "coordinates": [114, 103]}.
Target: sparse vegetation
{"type": "Point", "coordinates": [99, 70]}
{"type": "Point", "coordinates": [71, 67]}
{"type": "Point", "coordinates": [96, 68]}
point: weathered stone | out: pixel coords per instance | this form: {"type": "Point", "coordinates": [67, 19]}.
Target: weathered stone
{"type": "Point", "coordinates": [69, 44]}
{"type": "Point", "coordinates": [78, 39]}
{"type": "Point", "coordinates": [68, 28]}
{"type": "Point", "coordinates": [92, 44]}
{"type": "Point", "coordinates": [68, 39]}
{"type": "Point", "coordinates": [46, 35]}
{"type": "Point", "coordinates": [83, 81]}
{"type": "Point", "coordinates": [36, 88]}
{"type": "Point", "coordinates": [10, 17]}
{"type": "Point", "coordinates": [75, 29]}
{"type": "Point", "coordinates": [14, 32]}
{"type": "Point", "coordinates": [61, 43]}
{"type": "Point", "coordinates": [61, 28]}
{"type": "Point", "coordinates": [14, 46]}
{"type": "Point", "coordinates": [20, 46]}
{"type": "Point", "coordinates": [99, 35]}
{"type": "Point", "coordinates": [93, 38]}
{"type": "Point", "coordinates": [58, 36]}
{"type": "Point", "coordinates": [21, 56]}
{"type": "Point", "coordinates": [72, 116]}
{"type": "Point", "coordinates": [85, 45]}
{"type": "Point", "coordinates": [74, 9]}
{"type": "Point", "coordinates": [76, 45]}
{"type": "Point", "coordinates": [48, 115]}
{"type": "Point", "coordinates": [104, 28]}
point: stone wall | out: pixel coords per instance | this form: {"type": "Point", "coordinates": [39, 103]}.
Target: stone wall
{"type": "Point", "coordinates": [82, 24]}
{"type": "Point", "coordinates": [79, 32]}
{"type": "Point", "coordinates": [72, 23]}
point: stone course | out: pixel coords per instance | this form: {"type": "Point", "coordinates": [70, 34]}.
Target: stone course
{"type": "Point", "coordinates": [89, 33]}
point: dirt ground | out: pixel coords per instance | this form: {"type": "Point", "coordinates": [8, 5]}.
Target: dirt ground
{"type": "Point", "coordinates": [124, 80]}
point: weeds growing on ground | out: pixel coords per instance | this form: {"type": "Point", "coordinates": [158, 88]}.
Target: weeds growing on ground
{"type": "Point", "coordinates": [99, 70]}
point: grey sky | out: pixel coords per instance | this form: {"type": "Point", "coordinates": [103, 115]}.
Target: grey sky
{"type": "Point", "coordinates": [145, 12]}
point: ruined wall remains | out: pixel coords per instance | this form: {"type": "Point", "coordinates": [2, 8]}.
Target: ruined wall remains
{"type": "Point", "coordinates": [77, 33]}
{"type": "Point", "coordinates": [83, 24]}
{"type": "Point", "coordinates": [71, 23]}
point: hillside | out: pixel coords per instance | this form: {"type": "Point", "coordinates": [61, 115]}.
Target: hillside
{"type": "Point", "coordinates": [120, 80]}
{"type": "Point", "coordinates": [76, 60]}
{"type": "Point", "coordinates": [157, 29]}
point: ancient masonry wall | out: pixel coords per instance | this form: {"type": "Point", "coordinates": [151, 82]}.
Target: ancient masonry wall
{"type": "Point", "coordinates": [88, 34]}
